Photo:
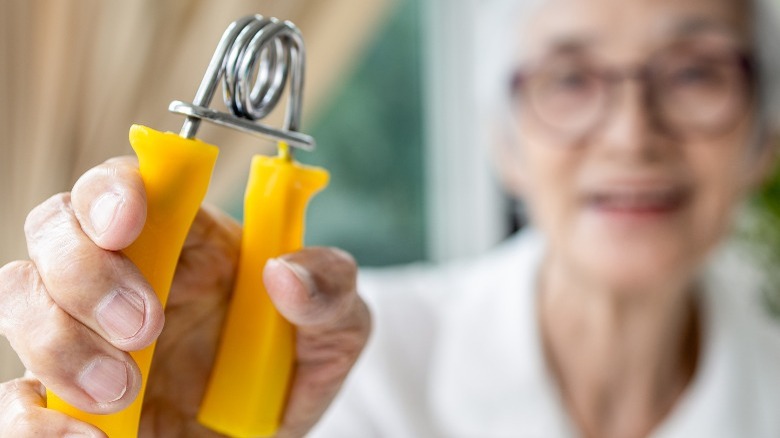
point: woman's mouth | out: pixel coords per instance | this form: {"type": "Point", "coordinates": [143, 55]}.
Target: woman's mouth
{"type": "Point", "coordinates": [638, 200]}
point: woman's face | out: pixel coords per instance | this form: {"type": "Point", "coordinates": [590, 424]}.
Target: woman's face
{"type": "Point", "coordinates": [634, 176]}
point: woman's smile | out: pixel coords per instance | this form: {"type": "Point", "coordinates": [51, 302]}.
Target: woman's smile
{"type": "Point", "coordinates": [637, 200]}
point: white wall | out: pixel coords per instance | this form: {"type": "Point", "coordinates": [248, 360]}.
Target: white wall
{"type": "Point", "coordinates": [466, 213]}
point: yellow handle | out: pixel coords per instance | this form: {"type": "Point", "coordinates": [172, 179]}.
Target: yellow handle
{"type": "Point", "coordinates": [248, 388]}
{"type": "Point", "coordinates": [176, 173]}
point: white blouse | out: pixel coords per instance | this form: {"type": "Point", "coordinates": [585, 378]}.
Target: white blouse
{"type": "Point", "coordinates": [455, 352]}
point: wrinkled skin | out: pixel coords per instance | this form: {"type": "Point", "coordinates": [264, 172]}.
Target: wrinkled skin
{"type": "Point", "coordinates": [49, 306]}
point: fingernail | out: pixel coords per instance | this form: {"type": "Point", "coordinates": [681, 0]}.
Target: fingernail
{"type": "Point", "coordinates": [104, 379]}
{"type": "Point", "coordinates": [299, 271]}
{"type": "Point", "coordinates": [121, 314]}
{"type": "Point", "coordinates": [104, 210]}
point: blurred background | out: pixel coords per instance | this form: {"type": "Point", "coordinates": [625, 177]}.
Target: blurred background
{"type": "Point", "coordinates": [389, 97]}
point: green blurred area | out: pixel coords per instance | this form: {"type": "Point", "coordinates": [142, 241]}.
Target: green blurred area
{"type": "Point", "coordinates": [369, 136]}
{"type": "Point", "coordinates": [763, 234]}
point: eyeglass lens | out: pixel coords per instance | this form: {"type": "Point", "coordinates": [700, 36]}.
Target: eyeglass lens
{"type": "Point", "coordinates": [691, 91]}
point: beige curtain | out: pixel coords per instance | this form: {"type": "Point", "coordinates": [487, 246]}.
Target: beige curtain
{"type": "Point", "coordinates": [76, 73]}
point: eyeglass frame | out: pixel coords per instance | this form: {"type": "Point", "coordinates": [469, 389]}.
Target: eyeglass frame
{"type": "Point", "coordinates": [613, 77]}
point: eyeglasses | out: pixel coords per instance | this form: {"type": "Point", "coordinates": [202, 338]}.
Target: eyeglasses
{"type": "Point", "coordinates": [688, 91]}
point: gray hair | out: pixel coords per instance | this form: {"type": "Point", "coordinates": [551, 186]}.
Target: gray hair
{"type": "Point", "coordinates": [497, 47]}
{"type": "Point", "coordinates": [766, 49]}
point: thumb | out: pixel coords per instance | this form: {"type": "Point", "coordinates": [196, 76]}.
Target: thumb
{"type": "Point", "coordinates": [315, 290]}
{"type": "Point", "coordinates": [313, 287]}
{"type": "Point", "coordinates": [109, 201]}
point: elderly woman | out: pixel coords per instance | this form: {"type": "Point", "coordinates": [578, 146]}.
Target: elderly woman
{"type": "Point", "coordinates": [633, 131]}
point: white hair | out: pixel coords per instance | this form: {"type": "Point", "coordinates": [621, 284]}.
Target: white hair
{"type": "Point", "coordinates": [766, 49]}
{"type": "Point", "coordinates": [498, 45]}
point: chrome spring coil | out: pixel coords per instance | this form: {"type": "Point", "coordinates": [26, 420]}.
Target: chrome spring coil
{"type": "Point", "coordinates": [255, 59]}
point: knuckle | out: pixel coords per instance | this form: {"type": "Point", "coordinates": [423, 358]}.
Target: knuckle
{"type": "Point", "coordinates": [46, 338]}
{"type": "Point", "coordinates": [26, 421]}
{"type": "Point", "coordinates": [19, 417]}
{"type": "Point", "coordinates": [53, 210]}
{"type": "Point", "coordinates": [333, 353]}
{"type": "Point", "coordinates": [9, 395]}
{"type": "Point", "coordinates": [52, 340]}
{"type": "Point", "coordinates": [77, 267]}
{"type": "Point", "coordinates": [18, 280]}
{"type": "Point", "coordinates": [364, 321]}
{"type": "Point", "coordinates": [357, 326]}
{"type": "Point", "coordinates": [17, 272]}
{"type": "Point", "coordinates": [351, 343]}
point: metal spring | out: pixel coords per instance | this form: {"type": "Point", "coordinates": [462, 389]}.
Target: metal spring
{"type": "Point", "coordinates": [255, 58]}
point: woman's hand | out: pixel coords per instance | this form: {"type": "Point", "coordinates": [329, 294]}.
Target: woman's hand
{"type": "Point", "coordinates": [79, 305]}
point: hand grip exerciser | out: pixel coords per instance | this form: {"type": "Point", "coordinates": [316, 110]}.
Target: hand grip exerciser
{"type": "Point", "coordinates": [248, 387]}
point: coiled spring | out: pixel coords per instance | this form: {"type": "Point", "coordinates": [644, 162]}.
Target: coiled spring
{"type": "Point", "coordinates": [256, 58]}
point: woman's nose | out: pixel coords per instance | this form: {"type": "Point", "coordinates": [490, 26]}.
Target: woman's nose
{"type": "Point", "coordinates": [632, 125]}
